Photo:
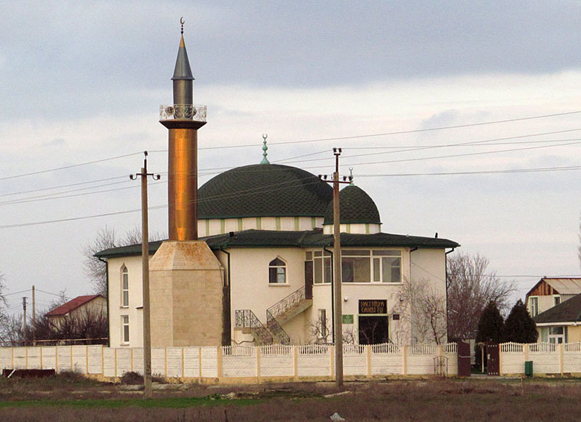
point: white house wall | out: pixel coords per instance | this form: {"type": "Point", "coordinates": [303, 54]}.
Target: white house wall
{"type": "Point", "coordinates": [115, 265]}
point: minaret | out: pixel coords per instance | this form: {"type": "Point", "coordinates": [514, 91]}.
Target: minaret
{"type": "Point", "coordinates": [183, 119]}
{"type": "Point", "coordinates": [187, 282]}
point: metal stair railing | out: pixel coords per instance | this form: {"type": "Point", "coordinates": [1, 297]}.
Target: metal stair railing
{"type": "Point", "coordinates": [288, 303]}
{"type": "Point", "coordinates": [276, 329]}
{"type": "Point", "coordinates": [245, 318]}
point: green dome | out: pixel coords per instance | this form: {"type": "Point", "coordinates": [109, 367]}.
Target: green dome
{"type": "Point", "coordinates": [356, 207]}
{"type": "Point", "coordinates": [264, 190]}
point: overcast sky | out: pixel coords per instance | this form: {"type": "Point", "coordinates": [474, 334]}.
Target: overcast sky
{"type": "Point", "coordinates": [461, 118]}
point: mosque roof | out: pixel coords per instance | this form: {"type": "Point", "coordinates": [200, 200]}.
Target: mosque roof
{"type": "Point", "coordinates": [264, 190]}
{"type": "Point", "coordinates": [302, 239]}
{"type": "Point", "coordinates": [357, 207]}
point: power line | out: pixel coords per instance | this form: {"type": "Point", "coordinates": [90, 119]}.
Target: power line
{"type": "Point", "coordinates": [69, 166]}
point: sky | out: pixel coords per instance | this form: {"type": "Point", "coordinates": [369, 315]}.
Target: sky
{"type": "Point", "coordinates": [461, 118]}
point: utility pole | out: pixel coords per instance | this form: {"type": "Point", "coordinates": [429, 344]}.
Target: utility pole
{"type": "Point", "coordinates": [337, 295]}
{"type": "Point", "coordinates": [148, 393]}
{"type": "Point", "coordinates": [33, 316]}
{"type": "Point", "coordinates": [24, 331]}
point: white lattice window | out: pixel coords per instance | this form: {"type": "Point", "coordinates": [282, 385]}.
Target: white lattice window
{"type": "Point", "coordinates": [534, 306]}
{"type": "Point", "coordinates": [277, 271]}
{"type": "Point", "coordinates": [125, 329]}
{"type": "Point", "coordinates": [124, 287]}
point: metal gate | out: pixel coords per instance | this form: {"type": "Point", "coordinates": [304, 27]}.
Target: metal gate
{"type": "Point", "coordinates": [492, 359]}
{"type": "Point", "coordinates": [464, 367]}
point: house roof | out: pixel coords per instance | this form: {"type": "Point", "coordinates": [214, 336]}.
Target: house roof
{"type": "Point", "coordinates": [560, 285]}
{"type": "Point", "coordinates": [263, 190]}
{"type": "Point", "coordinates": [71, 305]}
{"type": "Point", "coordinates": [568, 311]}
{"type": "Point", "coordinates": [357, 207]}
{"type": "Point", "coordinates": [304, 239]}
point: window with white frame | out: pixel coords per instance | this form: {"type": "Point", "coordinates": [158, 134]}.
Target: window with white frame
{"type": "Point", "coordinates": [277, 271]}
{"type": "Point", "coordinates": [323, 333]}
{"type": "Point", "coordinates": [322, 267]}
{"type": "Point", "coordinates": [366, 266]}
{"type": "Point", "coordinates": [124, 287]}
{"type": "Point", "coordinates": [534, 306]}
{"type": "Point", "coordinates": [557, 335]}
{"type": "Point", "coordinates": [125, 329]}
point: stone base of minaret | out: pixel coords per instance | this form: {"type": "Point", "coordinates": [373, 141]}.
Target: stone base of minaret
{"type": "Point", "coordinates": [186, 290]}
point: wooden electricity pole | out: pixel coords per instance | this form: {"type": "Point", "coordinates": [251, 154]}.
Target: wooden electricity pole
{"type": "Point", "coordinates": [148, 392]}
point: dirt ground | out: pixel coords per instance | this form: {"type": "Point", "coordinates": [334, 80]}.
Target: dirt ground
{"type": "Point", "coordinates": [483, 399]}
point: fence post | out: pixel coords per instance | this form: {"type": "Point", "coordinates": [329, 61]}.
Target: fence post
{"type": "Point", "coordinates": [87, 358]}
{"type": "Point", "coordinates": [102, 361]}
{"type": "Point", "coordinates": [56, 359]}
{"type": "Point", "coordinates": [295, 363]}
{"type": "Point", "coordinates": [72, 361]}
{"type": "Point", "coordinates": [219, 362]}
{"type": "Point", "coordinates": [26, 357]}
{"type": "Point", "coordinates": [404, 351]}
{"type": "Point", "coordinates": [332, 360]}
{"type": "Point", "coordinates": [561, 363]}
{"type": "Point", "coordinates": [200, 364]}
{"type": "Point", "coordinates": [132, 367]}
{"type": "Point", "coordinates": [12, 356]}
{"type": "Point", "coordinates": [183, 363]}
{"type": "Point", "coordinates": [258, 363]}
{"type": "Point", "coordinates": [115, 362]}
{"type": "Point", "coordinates": [165, 361]}
{"type": "Point", "coordinates": [41, 363]}
{"type": "Point", "coordinates": [368, 350]}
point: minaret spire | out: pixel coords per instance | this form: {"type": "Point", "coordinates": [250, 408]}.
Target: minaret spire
{"type": "Point", "coordinates": [183, 86]}
{"type": "Point", "coordinates": [264, 150]}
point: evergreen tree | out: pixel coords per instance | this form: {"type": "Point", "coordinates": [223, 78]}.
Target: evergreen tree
{"type": "Point", "coordinates": [519, 326]}
{"type": "Point", "coordinates": [490, 324]}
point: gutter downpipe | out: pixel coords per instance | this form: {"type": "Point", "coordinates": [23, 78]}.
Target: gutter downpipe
{"type": "Point", "coordinates": [107, 282]}
{"type": "Point", "coordinates": [446, 269]}
{"type": "Point", "coordinates": [332, 291]}
{"type": "Point", "coordinates": [229, 310]}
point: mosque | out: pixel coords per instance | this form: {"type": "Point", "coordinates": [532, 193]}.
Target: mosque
{"type": "Point", "coordinates": [249, 259]}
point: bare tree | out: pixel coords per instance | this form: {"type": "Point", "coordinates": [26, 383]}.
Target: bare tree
{"type": "Point", "coordinates": [470, 288]}
{"type": "Point", "coordinates": [94, 268]}
{"type": "Point", "coordinates": [422, 312]}
{"type": "Point", "coordinates": [320, 330]}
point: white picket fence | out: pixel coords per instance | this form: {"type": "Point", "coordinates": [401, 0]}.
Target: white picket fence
{"type": "Point", "coordinates": [232, 363]}
{"type": "Point", "coordinates": [547, 358]}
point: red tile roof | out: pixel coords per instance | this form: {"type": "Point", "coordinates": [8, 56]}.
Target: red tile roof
{"type": "Point", "coordinates": [72, 305]}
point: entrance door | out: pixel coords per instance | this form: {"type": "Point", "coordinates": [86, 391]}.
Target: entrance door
{"type": "Point", "coordinates": [373, 329]}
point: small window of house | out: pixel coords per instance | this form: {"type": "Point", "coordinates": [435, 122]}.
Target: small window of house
{"type": "Point", "coordinates": [534, 306]}
{"type": "Point", "coordinates": [124, 287]}
{"type": "Point", "coordinates": [125, 329]}
{"type": "Point", "coordinates": [277, 271]}
{"type": "Point", "coordinates": [556, 300]}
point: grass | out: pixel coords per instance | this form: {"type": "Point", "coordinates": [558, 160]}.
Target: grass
{"type": "Point", "coordinates": [398, 400]}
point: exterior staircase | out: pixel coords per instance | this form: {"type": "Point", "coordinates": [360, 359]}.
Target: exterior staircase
{"type": "Point", "coordinates": [279, 313]}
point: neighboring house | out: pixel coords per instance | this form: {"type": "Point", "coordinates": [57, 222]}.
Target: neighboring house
{"type": "Point", "coordinates": [561, 323]}
{"type": "Point", "coordinates": [549, 292]}
{"type": "Point", "coordinates": [274, 245]}
{"type": "Point", "coordinates": [79, 307]}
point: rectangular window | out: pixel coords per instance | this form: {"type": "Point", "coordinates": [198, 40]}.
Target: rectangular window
{"type": "Point", "coordinates": [556, 300]}
{"type": "Point", "coordinates": [534, 306]}
{"type": "Point", "coordinates": [125, 329]}
{"type": "Point", "coordinates": [323, 323]}
{"type": "Point", "coordinates": [378, 266]}
{"type": "Point", "coordinates": [322, 267]}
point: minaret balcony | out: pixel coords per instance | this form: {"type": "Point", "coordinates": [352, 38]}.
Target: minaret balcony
{"type": "Point", "coordinates": [182, 112]}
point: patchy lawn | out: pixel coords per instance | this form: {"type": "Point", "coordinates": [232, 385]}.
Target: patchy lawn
{"type": "Point", "coordinates": [78, 399]}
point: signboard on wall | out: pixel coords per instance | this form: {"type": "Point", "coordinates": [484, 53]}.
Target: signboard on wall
{"type": "Point", "coordinates": [373, 306]}
{"type": "Point", "coordinates": [347, 319]}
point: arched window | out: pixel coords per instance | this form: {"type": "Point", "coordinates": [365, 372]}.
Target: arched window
{"type": "Point", "coordinates": [124, 287]}
{"type": "Point", "coordinates": [277, 271]}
